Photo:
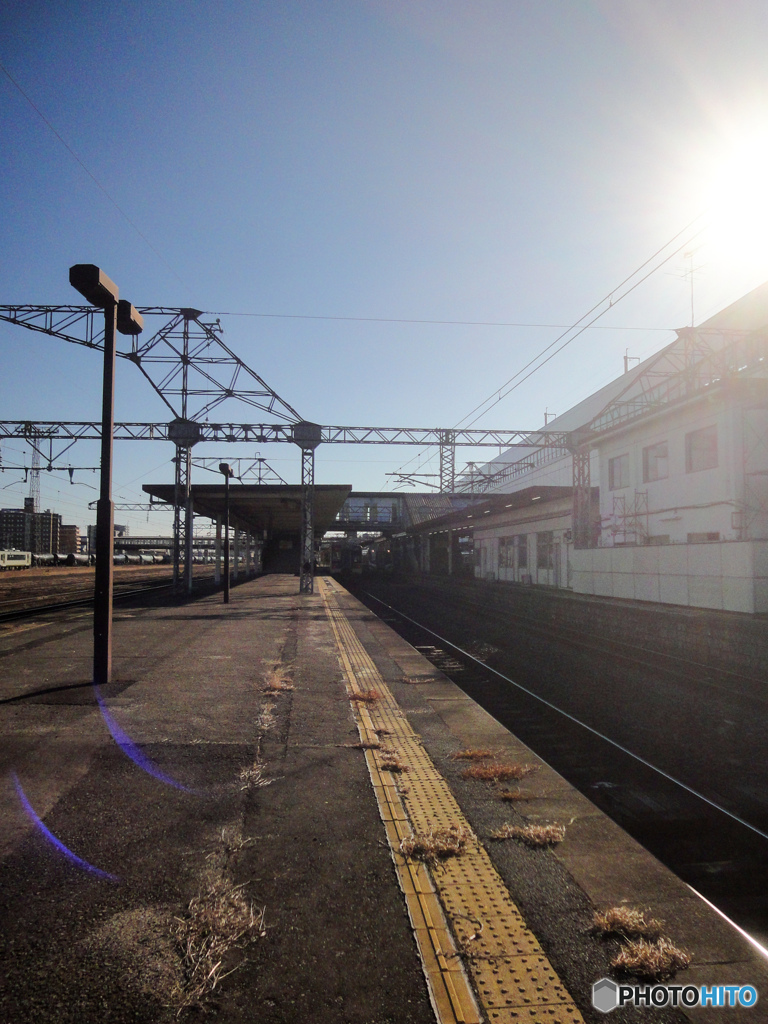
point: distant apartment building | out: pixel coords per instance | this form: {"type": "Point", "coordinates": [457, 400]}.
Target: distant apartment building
{"type": "Point", "coordinates": [15, 529]}
{"type": "Point", "coordinates": [26, 530]}
{"type": "Point", "coordinates": [69, 540]}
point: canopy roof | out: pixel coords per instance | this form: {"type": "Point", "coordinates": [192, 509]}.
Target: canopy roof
{"type": "Point", "coordinates": [275, 508]}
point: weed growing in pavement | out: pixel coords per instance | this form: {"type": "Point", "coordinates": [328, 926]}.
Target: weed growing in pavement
{"type": "Point", "coordinates": [653, 961]}
{"type": "Point", "coordinates": [253, 776]}
{"type": "Point", "coordinates": [217, 923]}
{"type": "Point", "coordinates": [390, 762]}
{"type": "Point", "coordinates": [512, 794]}
{"type": "Point", "coordinates": [366, 696]}
{"type": "Point", "coordinates": [498, 771]}
{"type": "Point", "coordinates": [265, 720]}
{"type": "Point", "coordinates": [363, 745]}
{"type": "Point", "coordinates": [277, 680]}
{"type": "Point", "coordinates": [531, 835]}
{"type": "Point", "coordinates": [437, 844]}
{"type": "Point", "coordinates": [472, 754]}
{"type": "Point", "coordinates": [627, 922]}
{"type": "Point", "coordinates": [278, 686]}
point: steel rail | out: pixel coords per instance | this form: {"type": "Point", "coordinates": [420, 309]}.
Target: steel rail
{"type": "Point", "coordinates": [595, 732]}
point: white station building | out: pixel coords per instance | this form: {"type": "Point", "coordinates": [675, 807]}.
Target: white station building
{"type": "Point", "coordinates": [678, 480]}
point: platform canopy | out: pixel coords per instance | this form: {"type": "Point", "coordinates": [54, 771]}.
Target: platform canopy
{"type": "Point", "coordinates": [262, 509]}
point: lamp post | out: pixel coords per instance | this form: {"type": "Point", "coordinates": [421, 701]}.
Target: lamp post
{"type": "Point", "coordinates": [119, 315]}
{"type": "Point", "coordinates": [226, 469]}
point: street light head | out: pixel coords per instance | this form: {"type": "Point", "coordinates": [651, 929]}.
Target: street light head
{"type": "Point", "coordinates": [225, 468]}
{"type": "Point", "coordinates": [93, 284]}
{"type": "Point", "coordinates": [129, 320]}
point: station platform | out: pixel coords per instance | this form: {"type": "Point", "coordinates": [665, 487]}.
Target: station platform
{"type": "Point", "coordinates": [264, 818]}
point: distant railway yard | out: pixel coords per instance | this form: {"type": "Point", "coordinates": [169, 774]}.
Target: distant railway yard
{"type": "Point", "coordinates": [42, 588]}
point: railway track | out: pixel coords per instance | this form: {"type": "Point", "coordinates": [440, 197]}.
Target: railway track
{"type": "Point", "coordinates": [43, 590]}
{"type": "Point", "coordinates": [583, 704]}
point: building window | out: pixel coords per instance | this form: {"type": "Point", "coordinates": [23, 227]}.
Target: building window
{"type": "Point", "coordinates": [544, 545]}
{"type": "Point", "coordinates": [655, 462]}
{"type": "Point", "coordinates": [657, 539]}
{"type": "Point", "coordinates": [618, 472]}
{"type": "Point", "coordinates": [506, 553]}
{"type": "Point", "coordinates": [703, 538]}
{"type": "Point", "coordinates": [701, 450]}
{"type": "Point", "coordinates": [522, 550]}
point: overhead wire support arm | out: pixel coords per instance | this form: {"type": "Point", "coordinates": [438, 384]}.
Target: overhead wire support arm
{"type": "Point", "coordinates": [265, 433]}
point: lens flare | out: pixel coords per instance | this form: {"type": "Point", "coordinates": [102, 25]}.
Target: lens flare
{"type": "Point", "coordinates": [131, 750]}
{"type": "Point", "coordinates": [51, 838]}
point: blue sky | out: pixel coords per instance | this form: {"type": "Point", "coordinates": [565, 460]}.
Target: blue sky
{"type": "Point", "coordinates": [491, 161]}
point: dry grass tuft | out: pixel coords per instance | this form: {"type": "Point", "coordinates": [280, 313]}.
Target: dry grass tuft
{"type": "Point", "coordinates": [390, 762]}
{"type": "Point", "coordinates": [382, 732]}
{"type": "Point", "coordinates": [628, 922]}
{"type": "Point", "coordinates": [277, 680]}
{"type": "Point", "coordinates": [512, 794]}
{"type": "Point", "coordinates": [264, 718]}
{"type": "Point", "coordinates": [472, 754]}
{"type": "Point", "coordinates": [366, 696]}
{"type": "Point", "coordinates": [215, 926]}
{"type": "Point", "coordinates": [531, 835]}
{"type": "Point", "coordinates": [278, 686]}
{"type": "Point", "coordinates": [363, 745]}
{"type": "Point", "coordinates": [437, 844]}
{"type": "Point", "coordinates": [252, 776]}
{"type": "Point", "coordinates": [651, 960]}
{"type": "Point", "coordinates": [498, 771]}
{"type": "Point", "coordinates": [217, 922]}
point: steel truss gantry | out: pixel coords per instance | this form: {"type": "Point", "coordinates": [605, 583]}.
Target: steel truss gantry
{"type": "Point", "coordinates": [185, 361]}
{"type": "Point", "coordinates": [308, 436]}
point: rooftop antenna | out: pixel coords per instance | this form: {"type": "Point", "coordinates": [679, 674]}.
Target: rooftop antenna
{"type": "Point", "coordinates": [689, 274]}
{"type": "Point", "coordinates": [627, 360]}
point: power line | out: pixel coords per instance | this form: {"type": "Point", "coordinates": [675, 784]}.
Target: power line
{"type": "Point", "coordinates": [404, 320]}
{"type": "Point", "coordinates": [533, 364]}
{"type": "Point", "coordinates": [609, 298]}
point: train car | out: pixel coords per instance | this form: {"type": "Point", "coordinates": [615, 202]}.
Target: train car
{"type": "Point", "coordinates": [345, 557]}
{"type": "Point", "coordinates": [377, 554]}
{"type": "Point", "coordinates": [13, 559]}
{"type": "Point", "coordinates": [119, 558]}
{"type": "Point", "coordinates": [43, 559]}
{"type": "Point", "coordinates": [73, 559]}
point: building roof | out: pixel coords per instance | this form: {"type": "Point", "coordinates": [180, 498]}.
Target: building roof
{"type": "Point", "coordinates": [747, 314]}
{"type": "Point", "coordinates": [275, 508]}
{"type": "Point", "coordinates": [473, 514]}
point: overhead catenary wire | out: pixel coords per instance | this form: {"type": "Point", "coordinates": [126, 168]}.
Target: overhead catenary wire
{"type": "Point", "coordinates": [584, 327]}
{"type": "Point", "coordinates": [600, 308]}
{"type": "Point", "coordinates": [413, 320]}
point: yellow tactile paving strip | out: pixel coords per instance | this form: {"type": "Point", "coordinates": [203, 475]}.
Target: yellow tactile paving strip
{"type": "Point", "coordinates": [462, 901]}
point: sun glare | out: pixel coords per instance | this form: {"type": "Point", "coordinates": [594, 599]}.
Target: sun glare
{"type": "Point", "coordinates": [738, 202]}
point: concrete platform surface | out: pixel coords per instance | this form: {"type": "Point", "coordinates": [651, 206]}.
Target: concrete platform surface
{"type": "Point", "coordinates": [213, 817]}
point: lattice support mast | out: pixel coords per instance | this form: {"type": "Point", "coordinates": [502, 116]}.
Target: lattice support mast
{"type": "Point", "coordinates": [447, 461]}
